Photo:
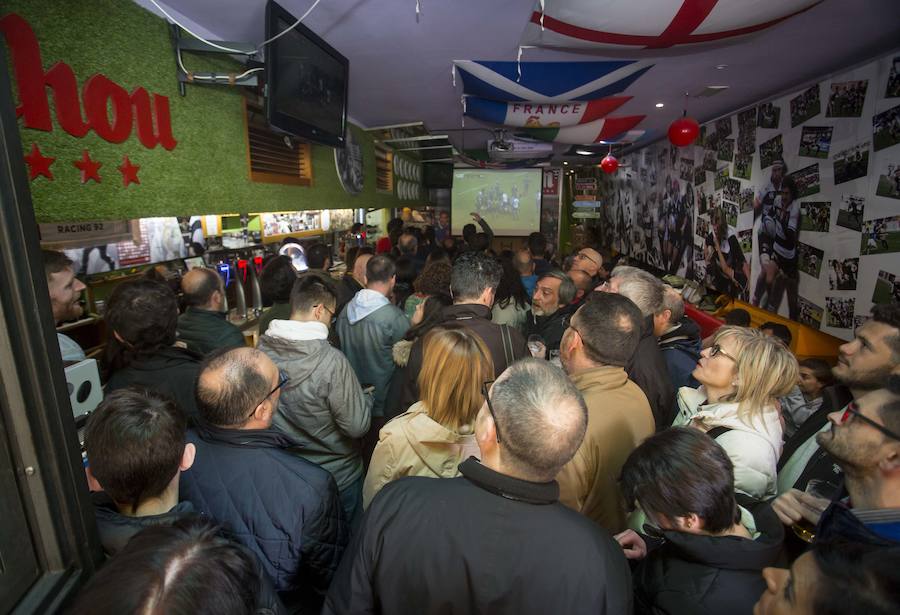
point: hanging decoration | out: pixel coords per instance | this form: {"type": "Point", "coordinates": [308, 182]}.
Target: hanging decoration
{"type": "Point", "coordinates": [542, 115]}
{"type": "Point", "coordinates": [651, 24]}
{"type": "Point", "coordinates": [684, 130]}
{"type": "Point", "coordinates": [609, 164]}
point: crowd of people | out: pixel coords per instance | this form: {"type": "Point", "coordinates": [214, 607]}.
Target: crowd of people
{"type": "Point", "coordinates": [450, 430]}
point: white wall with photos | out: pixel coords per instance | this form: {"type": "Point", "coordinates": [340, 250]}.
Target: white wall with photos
{"type": "Point", "coordinates": [793, 204]}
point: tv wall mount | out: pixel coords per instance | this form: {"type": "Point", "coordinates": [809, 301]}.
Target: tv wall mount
{"type": "Point", "coordinates": [246, 78]}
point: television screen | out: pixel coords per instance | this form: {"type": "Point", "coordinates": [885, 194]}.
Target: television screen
{"type": "Point", "coordinates": [510, 201]}
{"type": "Point", "coordinates": [306, 80]}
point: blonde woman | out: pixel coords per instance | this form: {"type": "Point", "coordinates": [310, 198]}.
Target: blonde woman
{"type": "Point", "coordinates": [740, 376]}
{"type": "Point", "coordinates": [436, 433]}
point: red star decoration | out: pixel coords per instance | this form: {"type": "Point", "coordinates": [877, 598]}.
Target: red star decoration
{"type": "Point", "coordinates": [129, 172]}
{"type": "Point", "coordinates": [38, 164]}
{"type": "Point", "coordinates": [89, 168]}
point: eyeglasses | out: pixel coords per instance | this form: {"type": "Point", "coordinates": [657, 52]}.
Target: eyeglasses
{"type": "Point", "coordinates": [327, 309]}
{"type": "Point", "coordinates": [852, 410]}
{"type": "Point", "coordinates": [585, 256]}
{"type": "Point", "coordinates": [715, 349]}
{"type": "Point", "coordinates": [283, 379]}
{"type": "Point", "coordinates": [487, 399]}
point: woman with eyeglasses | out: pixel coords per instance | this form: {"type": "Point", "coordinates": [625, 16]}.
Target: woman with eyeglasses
{"type": "Point", "coordinates": [740, 376]}
{"type": "Point", "coordinates": [437, 432]}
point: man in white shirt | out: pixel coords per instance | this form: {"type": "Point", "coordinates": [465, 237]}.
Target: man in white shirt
{"type": "Point", "coordinates": [65, 299]}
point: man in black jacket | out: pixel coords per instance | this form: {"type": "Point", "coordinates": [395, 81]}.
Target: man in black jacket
{"type": "Point", "coordinates": [141, 319]}
{"type": "Point", "coordinates": [473, 282]}
{"type": "Point", "coordinates": [282, 507]}
{"type": "Point", "coordinates": [136, 447]}
{"type": "Point", "coordinates": [550, 306]}
{"type": "Point", "coordinates": [648, 367]}
{"type": "Point", "coordinates": [495, 540]}
{"type": "Point", "coordinates": [204, 327]}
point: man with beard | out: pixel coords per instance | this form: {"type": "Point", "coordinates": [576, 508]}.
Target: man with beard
{"type": "Point", "coordinates": [553, 293]}
{"type": "Point", "coordinates": [65, 299]}
{"type": "Point", "coordinates": [864, 439]}
{"type": "Point", "coordinates": [864, 364]}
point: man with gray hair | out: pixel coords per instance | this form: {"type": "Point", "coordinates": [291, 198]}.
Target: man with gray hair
{"type": "Point", "coordinates": [473, 282]}
{"type": "Point", "coordinates": [648, 367]}
{"type": "Point", "coordinates": [550, 306]}
{"type": "Point", "coordinates": [495, 539]}
{"type": "Point", "coordinates": [679, 339]}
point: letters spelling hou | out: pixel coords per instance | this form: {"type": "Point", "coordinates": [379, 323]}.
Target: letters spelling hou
{"type": "Point", "coordinates": [98, 93]}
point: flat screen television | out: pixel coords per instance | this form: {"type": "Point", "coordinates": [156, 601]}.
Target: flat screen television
{"type": "Point", "coordinates": [306, 80]}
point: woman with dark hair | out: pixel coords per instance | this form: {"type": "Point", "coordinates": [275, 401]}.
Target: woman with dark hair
{"type": "Point", "coordinates": [510, 301]}
{"type": "Point", "coordinates": [276, 281]}
{"type": "Point", "coordinates": [406, 275]}
{"type": "Point", "coordinates": [187, 567]}
{"type": "Point", "coordinates": [141, 320]}
{"type": "Point", "coordinates": [434, 280]}
{"type": "Point", "coordinates": [835, 578]}
{"type": "Point", "coordinates": [707, 551]}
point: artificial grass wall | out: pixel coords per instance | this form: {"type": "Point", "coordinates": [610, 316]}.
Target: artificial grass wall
{"type": "Point", "coordinates": [205, 173]}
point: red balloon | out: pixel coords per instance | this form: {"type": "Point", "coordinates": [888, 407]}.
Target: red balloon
{"type": "Point", "coordinates": [609, 164]}
{"type": "Point", "coordinates": [683, 131]}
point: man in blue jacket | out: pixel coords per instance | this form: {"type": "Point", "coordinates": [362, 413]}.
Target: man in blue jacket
{"type": "Point", "coordinates": [369, 327]}
{"type": "Point", "coordinates": [281, 506]}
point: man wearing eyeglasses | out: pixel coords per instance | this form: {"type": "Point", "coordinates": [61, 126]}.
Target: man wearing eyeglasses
{"type": "Point", "coordinates": [864, 439]}
{"type": "Point", "coordinates": [323, 406]}
{"type": "Point", "coordinates": [864, 365]}
{"type": "Point", "coordinates": [282, 507]}
{"type": "Point", "coordinates": [589, 261]}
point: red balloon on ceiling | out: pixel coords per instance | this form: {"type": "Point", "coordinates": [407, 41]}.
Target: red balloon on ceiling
{"type": "Point", "coordinates": [683, 131]}
{"type": "Point", "coordinates": [609, 164]}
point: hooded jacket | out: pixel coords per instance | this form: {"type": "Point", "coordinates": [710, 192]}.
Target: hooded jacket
{"type": "Point", "coordinates": [413, 444]}
{"type": "Point", "coordinates": [681, 349]}
{"type": "Point", "coordinates": [171, 371]}
{"type": "Point", "coordinates": [322, 406]}
{"type": "Point", "coordinates": [709, 575]}
{"type": "Point", "coordinates": [205, 330]}
{"type": "Point", "coordinates": [368, 328]}
{"type": "Point", "coordinates": [753, 448]}
{"type": "Point", "coordinates": [619, 419]}
{"type": "Point", "coordinates": [476, 318]}
{"type": "Point", "coordinates": [283, 508]}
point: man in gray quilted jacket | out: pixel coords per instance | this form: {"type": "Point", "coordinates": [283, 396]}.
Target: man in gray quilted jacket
{"type": "Point", "coordinates": [322, 406]}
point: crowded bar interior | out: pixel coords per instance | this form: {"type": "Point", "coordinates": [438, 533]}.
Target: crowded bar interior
{"type": "Point", "coordinates": [450, 306]}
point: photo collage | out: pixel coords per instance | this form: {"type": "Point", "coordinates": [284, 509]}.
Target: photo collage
{"type": "Point", "coordinates": [797, 196]}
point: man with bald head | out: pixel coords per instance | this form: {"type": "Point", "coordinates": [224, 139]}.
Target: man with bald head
{"type": "Point", "coordinates": [281, 506]}
{"type": "Point", "coordinates": [588, 260]}
{"type": "Point", "coordinates": [495, 539]}
{"type": "Point", "coordinates": [203, 326]}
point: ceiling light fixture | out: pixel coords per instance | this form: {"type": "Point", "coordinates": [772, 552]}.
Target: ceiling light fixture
{"type": "Point", "coordinates": [660, 105]}
{"type": "Point", "coordinates": [721, 66]}
{"type": "Point", "coordinates": [584, 152]}
{"type": "Point", "coordinates": [564, 162]}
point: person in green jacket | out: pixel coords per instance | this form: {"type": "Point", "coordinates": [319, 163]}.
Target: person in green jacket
{"type": "Point", "coordinates": [203, 326]}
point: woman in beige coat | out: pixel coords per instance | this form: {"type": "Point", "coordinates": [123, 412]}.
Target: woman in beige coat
{"type": "Point", "coordinates": [436, 433]}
